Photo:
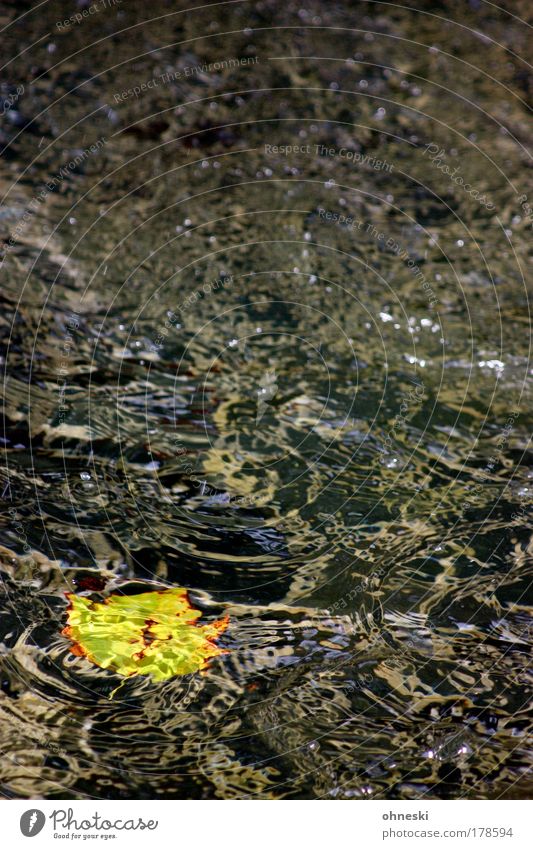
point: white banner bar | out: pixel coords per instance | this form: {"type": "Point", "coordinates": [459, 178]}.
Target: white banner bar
{"type": "Point", "coordinates": [252, 825]}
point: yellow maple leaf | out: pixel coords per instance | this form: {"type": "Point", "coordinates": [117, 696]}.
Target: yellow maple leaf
{"type": "Point", "coordinates": [152, 633]}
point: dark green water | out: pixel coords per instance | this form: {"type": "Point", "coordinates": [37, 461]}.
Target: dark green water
{"type": "Point", "coordinates": [294, 382]}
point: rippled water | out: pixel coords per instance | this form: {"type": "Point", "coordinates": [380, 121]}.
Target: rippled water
{"type": "Point", "coordinates": [294, 382]}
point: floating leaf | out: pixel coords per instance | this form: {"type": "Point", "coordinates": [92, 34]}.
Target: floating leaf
{"type": "Point", "coordinates": [149, 634]}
